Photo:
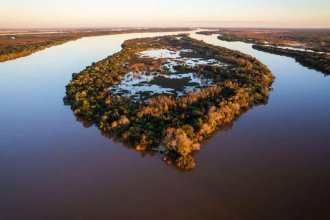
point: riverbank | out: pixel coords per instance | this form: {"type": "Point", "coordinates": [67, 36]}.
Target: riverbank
{"type": "Point", "coordinates": [308, 47]}
{"type": "Point", "coordinates": [22, 44]}
{"type": "Point", "coordinates": [312, 60]}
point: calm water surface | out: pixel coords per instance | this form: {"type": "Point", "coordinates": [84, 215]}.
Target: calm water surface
{"type": "Point", "coordinates": [274, 163]}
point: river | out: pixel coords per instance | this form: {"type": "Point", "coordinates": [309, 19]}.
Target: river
{"type": "Point", "coordinates": [272, 164]}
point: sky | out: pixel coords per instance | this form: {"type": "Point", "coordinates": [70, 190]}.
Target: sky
{"type": "Point", "coordinates": [164, 13]}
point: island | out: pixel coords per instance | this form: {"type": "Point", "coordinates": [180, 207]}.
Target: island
{"type": "Point", "coordinates": [168, 94]}
{"type": "Point", "coordinates": [309, 47]}
{"type": "Point", "coordinates": [20, 43]}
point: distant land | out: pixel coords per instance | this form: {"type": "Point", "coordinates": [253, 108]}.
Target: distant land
{"type": "Point", "coordinates": [15, 43]}
{"type": "Point", "coordinates": [309, 47]}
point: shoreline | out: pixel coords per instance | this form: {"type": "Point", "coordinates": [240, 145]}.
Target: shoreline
{"type": "Point", "coordinates": [311, 52]}
{"type": "Point", "coordinates": [13, 46]}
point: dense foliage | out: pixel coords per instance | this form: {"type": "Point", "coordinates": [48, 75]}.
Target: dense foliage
{"type": "Point", "coordinates": [174, 125]}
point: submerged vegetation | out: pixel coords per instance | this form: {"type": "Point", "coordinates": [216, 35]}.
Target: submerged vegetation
{"type": "Point", "coordinates": [174, 124]}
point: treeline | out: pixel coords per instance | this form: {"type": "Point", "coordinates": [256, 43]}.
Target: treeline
{"type": "Point", "coordinates": [312, 60]}
{"type": "Point", "coordinates": [174, 125]}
